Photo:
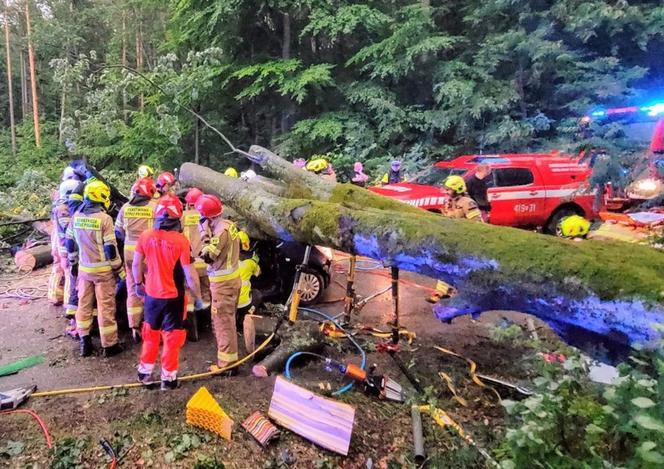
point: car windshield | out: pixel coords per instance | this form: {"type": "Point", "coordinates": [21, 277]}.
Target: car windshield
{"type": "Point", "coordinates": [436, 176]}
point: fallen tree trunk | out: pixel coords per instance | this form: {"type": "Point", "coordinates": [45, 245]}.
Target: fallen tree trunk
{"type": "Point", "coordinates": [303, 336]}
{"type": "Point", "coordinates": [605, 287]}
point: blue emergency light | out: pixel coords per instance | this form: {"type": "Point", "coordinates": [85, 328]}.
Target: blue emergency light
{"type": "Point", "coordinates": [656, 109]}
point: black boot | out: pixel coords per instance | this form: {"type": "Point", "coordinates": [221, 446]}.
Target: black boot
{"type": "Point", "coordinates": [86, 346]}
{"type": "Point", "coordinates": [169, 385]}
{"type": "Point", "coordinates": [112, 350]}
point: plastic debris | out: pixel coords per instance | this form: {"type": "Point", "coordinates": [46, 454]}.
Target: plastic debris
{"type": "Point", "coordinates": [205, 412]}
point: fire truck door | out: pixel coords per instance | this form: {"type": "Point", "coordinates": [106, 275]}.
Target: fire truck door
{"type": "Point", "coordinates": [516, 198]}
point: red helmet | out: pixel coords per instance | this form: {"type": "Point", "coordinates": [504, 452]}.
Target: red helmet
{"type": "Point", "coordinates": [165, 179]}
{"type": "Point", "coordinates": [144, 186]}
{"type": "Point", "coordinates": [169, 206]}
{"type": "Point", "coordinates": [209, 206]}
{"type": "Point", "coordinates": [192, 195]}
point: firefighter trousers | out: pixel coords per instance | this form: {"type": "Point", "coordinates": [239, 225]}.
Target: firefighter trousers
{"type": "Point", "coordinates": [56, 281]}
{"type": "Point", "coordinates": [204, 280]}
{"type": "Point", "coordinates": [164, 320]}
{"type": "Point", "coordinates": [71, 294]}
{"type": "Point", "coordinates": [224, 304]}
{"type": "Point", "coordinates": [102, 287]}
{"type": "Point", "coordinates": [134, 302]}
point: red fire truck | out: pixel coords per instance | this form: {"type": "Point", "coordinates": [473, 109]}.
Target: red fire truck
{"type": "Point", "coordinates": [526, 190]}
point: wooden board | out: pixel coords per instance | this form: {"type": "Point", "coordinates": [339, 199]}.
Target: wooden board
{"type": "Point", "coordinates": [322, 421]}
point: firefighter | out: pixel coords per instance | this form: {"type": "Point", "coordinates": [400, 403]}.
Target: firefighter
{"type": "Point", "coordinates": [248, 268]}
{"type": "Point", "coordinates": [221, 251]}
{"type": "Point", "coordinates": [145, 171]}
{"type": "Point", "coordinates": [74, 202]}
{"type": "Point", "coordinates": [94, 257]}
{"type": "Point", "coordinates": [231, 172]}
{"type": "Point", "coordinates": [459, 205]}
{"type": "Point", "coordinates": [135, 217]}
{"type": "Point", "coordinates": [323, 168]}
{"type": "Point", "coordinates": [167, 255]}
{"type": "Point", "coordinates": [573, 227]}
{"type": "Point", "coordinates": [360, 178]}
{"type": "Point", "coordinates": [165, 183]}
{"type": "Point", "coordinates": [393, 176]}
{"type": "Point", "coordinates": [190, 221]}
{"type": "Point", "coordinates": [58, 284]}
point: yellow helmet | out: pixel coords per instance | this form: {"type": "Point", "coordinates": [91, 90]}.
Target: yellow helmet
{"type": "Point", "coordinates": [573, 226]}
{"type": "Point", "coordinates": [455, 184]}
{"type": "Point", "coordinates": [97, 191]}
{"type": "Point", "coordinates": [244, 240]}
{"type": "Point", "coordinates": [317, 165]}
{"type": "Point", "coordinates": [231, 173]}
{"type": "Point", "coordinates": [145, 171]}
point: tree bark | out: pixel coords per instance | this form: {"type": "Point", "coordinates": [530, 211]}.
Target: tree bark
{"type": "Point", "coordinates": [33, 78]}
{"type": "Point", "coordinates": [605, 287]}
{"type": "Point", "coordinates": [125, 114]}
{"type": "Point", "coordinates": [24, 88]}
{"type": "Point", "coordinates": [10, 86]}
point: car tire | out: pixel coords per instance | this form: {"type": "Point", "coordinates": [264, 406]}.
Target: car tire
{"type": "Point", "coordinates": [552, 225]}
{"type": "Point", "coordinates": [314, 286]}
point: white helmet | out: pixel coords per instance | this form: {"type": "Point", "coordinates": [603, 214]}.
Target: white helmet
{"type": "Point", "coordinates": [69, 174]}
{"type": "Point", "coordinates": [67, 187]}
{"type": "Point", "coordinates": [248, 175]}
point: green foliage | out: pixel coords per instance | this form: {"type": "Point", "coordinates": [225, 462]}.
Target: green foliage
{"type": "Point", "coordinates": [68, 454]}
{"type": "Point", "coordinates": [571, 422]}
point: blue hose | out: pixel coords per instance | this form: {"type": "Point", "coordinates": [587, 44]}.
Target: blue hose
{"type": "Point", "coordinates": [346, 387]}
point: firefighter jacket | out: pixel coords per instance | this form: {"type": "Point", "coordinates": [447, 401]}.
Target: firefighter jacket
{"type": "Point", "coordinates": [248, 268]}
{"type": "Point", "coordinates": [60, 217]}
{"type": "Point", "coordinates": [190, 230]}
{"type": "Point", "coordinates": [462, 206]}
{"type": "Point", "coordinates": [135, 217]}
{"type": "Point", "coordinates": [221, 249]}
{"type": "Point", "coordinates": [94, 246]}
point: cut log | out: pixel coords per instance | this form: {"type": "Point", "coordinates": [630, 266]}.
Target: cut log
{"type": "Point", "coordinates": [606, 287]}
{"type": "Point", "coordinates": [32, 258]}
{"type": "Point", "coordinates": [303, 336]}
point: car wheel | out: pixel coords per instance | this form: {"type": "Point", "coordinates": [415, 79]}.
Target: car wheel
{"type": "Point", "coordinates": [312, 288]}
{"type": "Point", "coordinates": [552, 225]}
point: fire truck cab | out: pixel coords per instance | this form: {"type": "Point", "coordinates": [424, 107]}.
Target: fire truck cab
{"type": "Point", "coordinates": [525, 190]}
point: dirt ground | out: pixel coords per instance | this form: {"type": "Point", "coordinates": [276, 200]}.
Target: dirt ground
{"type": "Point", "coordinates": [150, 425]}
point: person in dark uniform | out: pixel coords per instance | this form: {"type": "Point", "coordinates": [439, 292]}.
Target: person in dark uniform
{"type": "Point", "coordinates": [477, 186]}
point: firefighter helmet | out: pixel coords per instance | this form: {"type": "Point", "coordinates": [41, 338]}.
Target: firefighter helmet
{"type": "Point", "coordinates": [573, 226]}
{"type": "Point", "coordinates": [145, 171]}
{"type": "Point", "coordinates": [192, 195]}
{"type": "Point", "coordinates": [169, 206]}
{"type": "Point", "coordinates": [396, 165]}
{"type": "Point", "coordinates": [69, 173]}
{"type": "Point", "coordinates": [67, 187]}
{"type": "Point", "coordinates": [231, 172]}
{"type": "Point", "coordinates": [164, 180]}
{"type": "Point", "coordinates": [244, 240]}
{"type": "Point", "coordinates": [209, 206]}
{"type": "Point", "coordinates": [144, 186]}
{"type": "Point", "coordinates": [317, 165]}
{"type": "Point", "coordinates": [455, 183]}
{"type": "Point", "coordinates": [98, 192]}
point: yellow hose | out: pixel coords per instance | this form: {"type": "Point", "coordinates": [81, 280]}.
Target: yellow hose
{"type": "Point", "coordinates": [61, 392]}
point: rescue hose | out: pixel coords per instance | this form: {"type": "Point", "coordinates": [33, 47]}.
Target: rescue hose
{"type": "Point", "coordinates": [35, 415]}
{"type": "Point", "coordinates": [348, 386]}
{"type": "Point", "coordinates": [61, 392]}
